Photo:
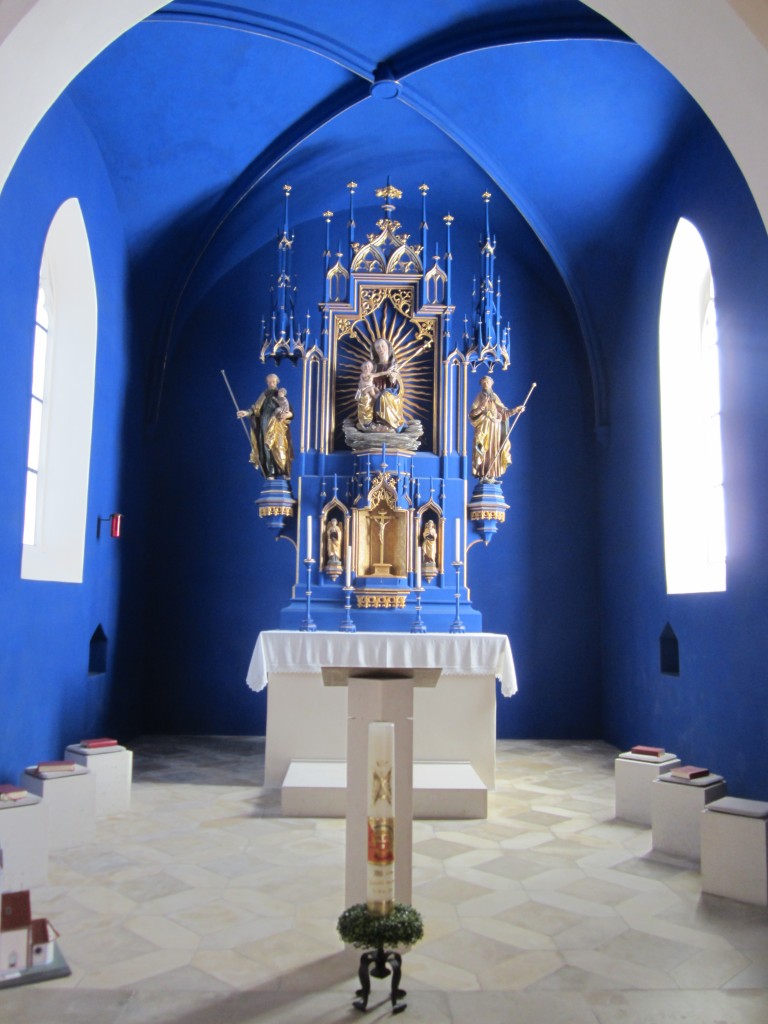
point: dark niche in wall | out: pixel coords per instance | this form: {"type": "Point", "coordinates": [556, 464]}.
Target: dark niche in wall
{"type": "Point", "coordinates": [669, 652]}
{"type": "Point", "coordinates": [97, 652]}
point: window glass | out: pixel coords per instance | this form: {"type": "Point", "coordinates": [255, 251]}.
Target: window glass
{"type": "Point", "coordinates": [61, 404]}
{"type": "Point", "coordinates": [692, 460]}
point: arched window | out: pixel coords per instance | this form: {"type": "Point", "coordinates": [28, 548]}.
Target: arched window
{"type": "Point", "coordinates": [692, 463]}
{"type": "Point", "coordinates": [37, 403]}
{"type": "Point", "coordinates": [63, 374]}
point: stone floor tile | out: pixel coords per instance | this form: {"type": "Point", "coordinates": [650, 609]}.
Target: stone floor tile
{"type": "Point", "coordinates": [203, 906]}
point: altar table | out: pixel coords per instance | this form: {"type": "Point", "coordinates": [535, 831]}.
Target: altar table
{"type": "Point", "coordinates": [453, 722]}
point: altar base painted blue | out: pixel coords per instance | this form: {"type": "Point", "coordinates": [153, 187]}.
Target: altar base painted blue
{"type": "Point", "coordinates": [329, 614]}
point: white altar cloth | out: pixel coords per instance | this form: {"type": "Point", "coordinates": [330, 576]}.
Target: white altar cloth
{"type": "Point", "coordinates": [462, 654]}
{"type": "Point", "coordinates": [454, 721]}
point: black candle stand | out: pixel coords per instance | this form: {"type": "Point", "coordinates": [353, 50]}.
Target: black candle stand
{"type": "Point", "coordinates": [376, 964]}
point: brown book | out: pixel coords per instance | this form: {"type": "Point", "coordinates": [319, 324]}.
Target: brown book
{"type": "Point", "coordinates": [648, 751]}
{"type": "Point", "coordinates": [10, 792]}
{"type": "Point", "coordinates": [102, 741]}
{"type": "Point", "coordinates": [56, 766]}
{"type": "Point", "coordinates": [689, 771]}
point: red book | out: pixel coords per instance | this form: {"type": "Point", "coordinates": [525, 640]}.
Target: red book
{"type": "Point", "coordinates": [689, 771]}
{"type": "Point", "coordinates": [56, 766]}
{"type": "Point", "coordinates": [648, 751]}
{"type": "Point", "coordinates": [102, 741]}
{"type": "Point", "coordinates": [10, 792]}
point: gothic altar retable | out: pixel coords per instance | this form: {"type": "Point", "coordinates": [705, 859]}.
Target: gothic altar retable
{"type": "Point", "coordinates": [382, 518]}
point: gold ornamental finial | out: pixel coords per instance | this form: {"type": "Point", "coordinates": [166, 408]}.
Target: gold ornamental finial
{"type": "Point", "coordinates": [486, 196]}
{"type": "Point", "coordinates": [423, 189]}
{"type": "Point", "coordinates": [328, 214]}
{"type": "Point", "coordinates": [389, 192]}
{"type": "Point", "coordinates": [352, 185]}
{"type": "Point", "coordinates": [448, 218]}
{"type": "Point", "coordinates": [287, 189]}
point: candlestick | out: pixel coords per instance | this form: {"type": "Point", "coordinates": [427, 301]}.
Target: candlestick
{"type": "Point", "coordinates": [381, 818]}
{"type": "Point", "coordinates": [307, 623]}
{"type": "Point", "coordinates": [457, 626]}
{"type": "Point", "coordinates": [309, 538]}
{"type": "Point", "coordinates": [347, 625]}
{"type": "Point", "coordinates": [418, 625]}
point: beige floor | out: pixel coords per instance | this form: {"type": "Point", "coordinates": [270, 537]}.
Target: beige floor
{"type": "Point", "coordinates": [204, 906]}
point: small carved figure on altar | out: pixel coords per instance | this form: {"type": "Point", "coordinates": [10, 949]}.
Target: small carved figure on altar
{"type": "Point", "coordinates": [491, 450]}
{"type": "Point", "coordinates": [270, 416]}
{"type": "Point", "coordinates": [429, 543]}
{"type": "Point", "coordinates": [388, 403]}
{"type": "Point", "coordinates": [333, 539]}
{"type": "Point", "coordinates": [365, 396]}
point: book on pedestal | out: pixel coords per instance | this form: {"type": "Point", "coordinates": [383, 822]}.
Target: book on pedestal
{"type": "Point", "coordinates": [10, 792]}
{"type": "Point", "coordinates": [689, 771]}
{"type": "Point", "coordinates": [48, 769]}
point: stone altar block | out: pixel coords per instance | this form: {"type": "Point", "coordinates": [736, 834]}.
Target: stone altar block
{"type": "Point", "coordinates": [453, 725]}
{"type": "Point", "coordinates": [24, 842]}
{"type": "Point", "coordinates": [112, 769]}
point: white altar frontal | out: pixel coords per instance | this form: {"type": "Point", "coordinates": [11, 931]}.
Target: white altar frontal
{"type": "Point", "coordinates": [454, 721]}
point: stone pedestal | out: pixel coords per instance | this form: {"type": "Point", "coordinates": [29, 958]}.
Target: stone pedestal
{"type": "Point", "coordinates": [71, 802]}
{"type": "Point", "coordinates": [24, 841]}
{"type": "Point", "coordinates": [633, 774]}
{"type": "Point", "coordinates": [112, 768]}
{"type": "Point", "coordinates": [734, 850]}
{"type": "Point", "coordinates": [676, 813]}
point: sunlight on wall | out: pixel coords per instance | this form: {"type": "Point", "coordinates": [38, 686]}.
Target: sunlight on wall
{"type": "Point", "coordinates": [64, 366]}
{"type": "Point", "coordinates": [692, 464]}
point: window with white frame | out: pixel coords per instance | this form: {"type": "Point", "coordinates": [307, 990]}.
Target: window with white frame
{"type": "Point", "coordinates": [61, 404]}
{"type": "Point", "coordinates": [692, 461]}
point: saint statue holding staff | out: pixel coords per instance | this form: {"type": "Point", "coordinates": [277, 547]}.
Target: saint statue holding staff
{"type": "Point", "coordinates": [491, 449]}
{"type": "Point", "coordinates": [270, 416]}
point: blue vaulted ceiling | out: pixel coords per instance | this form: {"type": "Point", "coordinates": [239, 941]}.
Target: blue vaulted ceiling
{"type": "Point", "coordinates": [202, 111]}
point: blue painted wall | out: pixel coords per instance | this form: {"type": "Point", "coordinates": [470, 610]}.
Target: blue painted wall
{"type": "Point", "coordinates": [715, 713]}
{"type": "Point", "coordinates": [46, 696]}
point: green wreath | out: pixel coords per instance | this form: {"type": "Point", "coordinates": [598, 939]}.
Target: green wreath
{"type": "Point", "coordinates": [403, 926]}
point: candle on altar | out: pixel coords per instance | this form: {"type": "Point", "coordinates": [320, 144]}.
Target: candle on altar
{"type": "Point", "coordinates": [458, 541]}
{"type": "Point", "coordinates": [380, 892]}
{"type": "Point", "coordinates": [309, 537]}
{"type": "Point", "coordinates": [418, 567]}
{"type": "Point", "coordinates": [348, 566]}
